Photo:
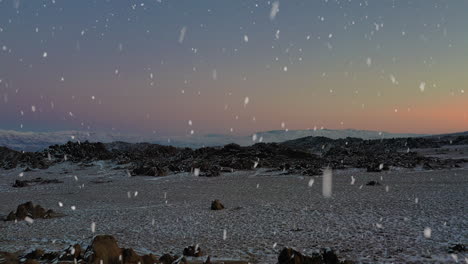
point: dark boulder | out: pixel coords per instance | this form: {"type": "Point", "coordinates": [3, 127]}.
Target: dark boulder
{"type": "Point", "coordinates": [291, 256]}
{"type": "Point", "coordinates": [104, 248]}
{"type": "Point", "coordinates": [35, 254]}
{"type": "Point", "coordinates": [216, 205]}
{"type": "Point", "coordinates": [193, 251]}
{"type": "Point", "coordinates": [373, 183]}
{"type": "Point", "coordinates": [30, 210]}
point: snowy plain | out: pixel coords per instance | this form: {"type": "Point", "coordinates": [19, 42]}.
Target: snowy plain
{"type": "Point", "coordinates": [264, 212]}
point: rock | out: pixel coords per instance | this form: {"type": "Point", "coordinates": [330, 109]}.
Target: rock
{"type": "Point", "coordinates": [35, 254]}
{"type": "Point", "coordinates": [26, 183]}
{"type": "Point", "coordinates": [373, 183]}
{"type": "Point", "coordinates": [11, 216]}
{"type": "Point", "coordinates": [8, 258]}
{"type": "Point", "coordinates": [457, 248]}
{"type": "Point", "coordinates": [193, 251]}
{"type": "Point", "coordinates": [167, 259]}
{"type": "Point", "coordinates": [131, 257]}
{"type": "Point", "coordinates": [216, 205]}
{"type": "Point", "coordinates": [207, 261]}
{"type": "Point", "coordinates": [290, 256]}
{"type": "Point", "coordinates": [329, 257]}
{"type": "Point", "coordinates": [50, 256]}
{"type": "Point", "coordinates": [149, 259]}
{"type": "Point", "coordinates": [72, 253]}
{"type": "Point", "coordinates": [213, 171]}
{"type": "Point", "coordinates": [105, 248]}
{"type": "Point", "coordinates": [20, 184]}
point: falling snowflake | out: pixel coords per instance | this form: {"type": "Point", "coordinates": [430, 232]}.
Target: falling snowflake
{"type": "Point", "coordinates": [246, 38]}
{"type": "Point", "coordinates": [224, 234]}
{"type": "Point", "coordinates": [254, 137]}
{"type": "Point", "coordinates": [29, 220]}
{"type": "Point", "coordinates": [369, 61]}
{"type": "Point", "coordinates": [214, 74]}
{"type": "Point", "coordinates": [422, 86]}
{"type": "Point", "coordinates": [44, 55]}
{"type": "Point", "coordinates": [182, 34]}
{"type": "Point", "coordinates": [274, 10]}
{"type": "Point", "coordinates": [311, 182]}
{"type": "Point", "coordinates": [427, 232]}
{"type": "Point", "coordinates": [93, 227]}
{"type": "Point", "coordinates": [393, 79]}
{"type": "Point", "coordinates": [196, 172]}
{"type": "Point", "coordinates": [246, 101]}
{"type": "Point", "coordinates": [327, 183]}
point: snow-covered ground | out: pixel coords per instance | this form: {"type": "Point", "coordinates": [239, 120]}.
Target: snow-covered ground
{"type": "Point", "coordinates": [265, 212]}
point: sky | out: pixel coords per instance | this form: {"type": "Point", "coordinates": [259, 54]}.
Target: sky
{"type": "Point", "coordinates": [183, 67]}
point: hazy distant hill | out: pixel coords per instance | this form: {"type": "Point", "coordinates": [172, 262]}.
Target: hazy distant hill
{"type": "Point", "coordinates": [33, 141]}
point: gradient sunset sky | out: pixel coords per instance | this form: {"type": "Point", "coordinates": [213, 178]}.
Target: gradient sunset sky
{"type": "Point", "coordinates": [145, 67]}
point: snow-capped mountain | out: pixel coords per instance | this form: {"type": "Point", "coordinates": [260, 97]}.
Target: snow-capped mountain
{"type": "Point", "coordinates": [33, 141]}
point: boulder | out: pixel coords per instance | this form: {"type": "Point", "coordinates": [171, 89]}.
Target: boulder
{"type": "Point", "coordinates": [216, 205]}
{"type": "Point", "coordinates": [105, 248]}
{"type": "Point", "coordinates": [130, 256]}
{"type": "Point", "coordinates": [30, 210]}
{"type": "Point", "coordinates": [8, 258]}
{"type": "Point", "coordinates": [149, 259]}
{"type": "Point", "coordinates": [35, 254]}
{"type": "Point", "coordinates": [373, 183]}
{"type": "Point", "coordinates": [193, 251]}
{"type": "Point", "coordinates": [167, 259]}
{"type": "Point", "coordinates": [291, 256]}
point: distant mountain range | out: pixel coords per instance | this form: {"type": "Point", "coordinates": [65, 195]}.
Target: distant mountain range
{"type": "Point", "coordinates": [34, 141]}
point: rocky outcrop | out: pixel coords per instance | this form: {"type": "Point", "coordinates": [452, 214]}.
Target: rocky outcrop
{"type": "Point", "coordinates": [32, 211]}
{"type": "Point", "coordinates": [306, 156]}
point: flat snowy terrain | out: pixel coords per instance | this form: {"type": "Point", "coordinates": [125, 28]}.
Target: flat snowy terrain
{"type": "Point", "coordinates": [264, 213]}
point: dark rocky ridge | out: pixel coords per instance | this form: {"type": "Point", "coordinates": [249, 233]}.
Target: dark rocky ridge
{"type": "Point", "coordinates": [306, 156]}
